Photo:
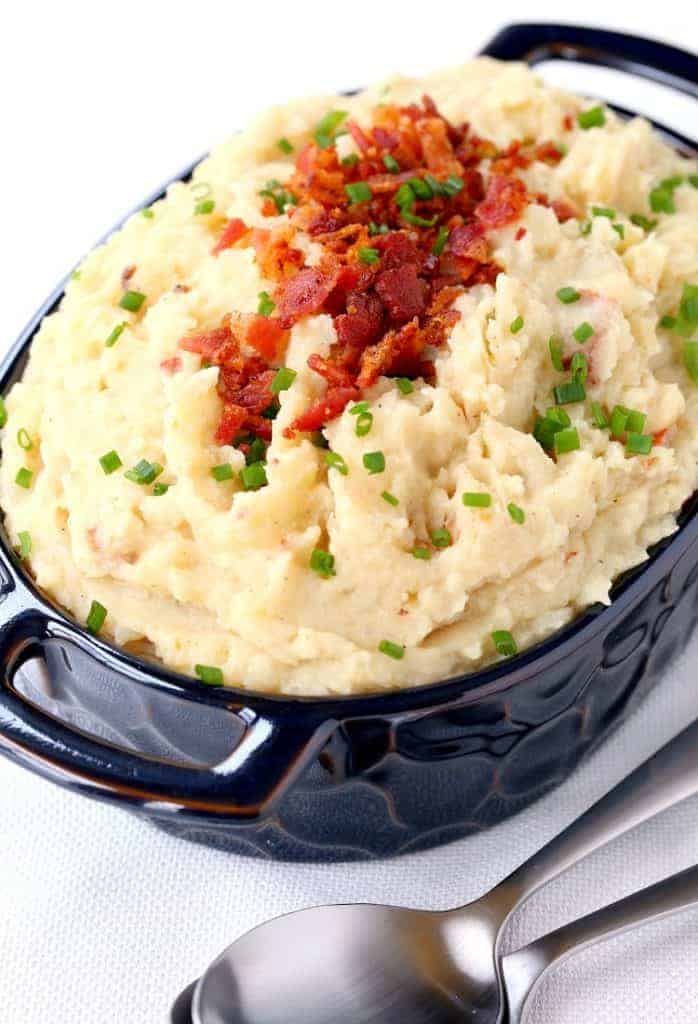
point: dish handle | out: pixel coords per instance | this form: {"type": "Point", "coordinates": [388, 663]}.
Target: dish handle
{"type": "Point", "coordinates": [655, 61]}
{"type": "Point", "coordinates": [271, 752]}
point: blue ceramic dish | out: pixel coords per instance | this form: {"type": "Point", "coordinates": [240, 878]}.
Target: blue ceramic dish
{"type": "Point", "coordinates": [361, 776]}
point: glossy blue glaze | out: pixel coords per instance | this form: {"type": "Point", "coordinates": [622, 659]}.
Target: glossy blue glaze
{"type": "Point", "coordinates": [355, 777]}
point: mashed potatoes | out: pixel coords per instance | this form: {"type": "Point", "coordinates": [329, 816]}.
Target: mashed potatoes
{"type": "Point", "coordinates": [414, 575]}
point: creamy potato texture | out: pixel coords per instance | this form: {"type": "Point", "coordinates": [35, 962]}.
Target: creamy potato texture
{"type": "Point", "coordinates": [209, 573]}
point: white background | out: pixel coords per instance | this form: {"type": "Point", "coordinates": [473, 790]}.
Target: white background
{"type": "Point", "coordinates": [101, 918]}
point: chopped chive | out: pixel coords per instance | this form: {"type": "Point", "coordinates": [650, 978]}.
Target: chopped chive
{"type": "Point", "coordinates": [569, 392]}
{"type": "Point", "coordinates": [326, 128]}
{"type": "Point", "coordinates": [160, 489]}
{"type": "Point", "coordinates": [504, 643]}
{"type": "Point", "coordinates": [404, 385]}
{"type": "Point", "coordinates": [368, 255]}
{"type": "Point", "coordinates": [419, 222]}
{"type": "Point", "coordinates": [693, 180]}
{"type": "Point", "coordinates": [585, 228]}
{"type": "Point", "coordinates": [441, 239]}
{"type": "Point", "coordinates": [579, 366]}
{"type": "Point", "coordinates": [603, 211]}
{"type": "Point", "coordinates": [638, 444]}
{"type": "Point", "coordinates": [374, 462]}
{"type": "Point", "coordinates": [635, 422]}
{"type": "Point", "coordinates": [132, 301]}
{"type": "Point", "coordinates": [558, 415]}
{"type": "Point", "coordinates": [335, 461]}
{"type": "Point", "coordinates": [555, 346]}
{"type": "Point", "coordinates": [516, 325]}
{"type": "Point", "coordinates": [583, 332]}
{"type": "Point", "coordinates": [364, 422]}
{"type": "Point", "coordinates": [662, 200]}
{"type": "Point", "coordinates": [421, 189]}
{"type": "Point", "coordinates": [423, 553]}
{"type": "Point", "coordinates": [283, 379]}
{"type": "Point", "coordinates": [110, 462]}
{"type": "Point", "coordinates": [284, 145]}
{"type": "Point", "coordinates": [253, 476]}
{"type": "Point", "coordinates": [568, 294]}
{"type": "Point", "coordinates": [222, 472]}
{"type": "Point", "coordinates": [391, 649]}
{"type": "Point", "coordinates": [390, 498]}
{"type": "Point", "coordinates": [3, 413]}
{"type": "Point", "coordinates": [205, 206]}
{"type": "Point", "coordinates": [391, 164]}
{"type": "Point", "coordinates": [690, 359]}
{"type": "Point", "coordinates": [600, 418]}
{"type": "Point", "coordinates": [350, 160]}
{"type": "Point", "coordinates": [358, 192]}
{"type": "Point", "coordinates": [566, 440]}
{"type": "Point", "coordinates": [619, 230]}
{"type": "Point", "coordinates": [272, 411]}
{"type": "Point", "coordinates": [476, 499]}
{"type": "Point", "coordinates": [279, 196]}
{"type": "Point", "coordinates": [322, 562]}
{"type": "Point", "coordinates": [76, 275]}
{"type": "Point", "coordinates": [24, 440]}
{"type": "Point", "coordinates": [24, 478]}
{"type": "Point", "coordinates": [516, 513]}
{"type": "Point", "coordinates": [209, 674]}
{"type": "Point", "coordinates": [688, 307]}
{"type": "Point", "coordinates": [95, 617]}
{"type": "Point", "coordinates": [25, 543]}
{"type": "Point", "coordinates": [266, 305]}
{"type": "Point", "coordinates": [453, 185]}
{"type": "Point", "coordinates": [377, 229]}
{"type": "Point", "coordinates": [405, 197]}
{"type": "Point", "coordinates": [147, 213]}
{"type": "Point", "coordinates": [358, 408]}
{"type": "Point", "coordinates": [256, 452]}
{"type": "Point", "coordinates": [673, 182]}
{"type": "Point", "coordinates": [544, 431]}
{"type": "Point", "coordinates": [115, 334]}
{"type": "Point", "coordinates": [441, 538]}
{"type": "Point", "coordinates": [592, 118]}
{"type": "Point", "coordinates": [144, 472]}
{"type": "Point", "coordinates": [200, 189]}
{"type": "Point", "coordinates": [619, 420]}
{"type": "Point", "coordinates": [640, 221]}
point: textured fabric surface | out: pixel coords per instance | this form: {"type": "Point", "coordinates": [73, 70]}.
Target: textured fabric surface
{"type": "Point", "coordinates": [104, 919]}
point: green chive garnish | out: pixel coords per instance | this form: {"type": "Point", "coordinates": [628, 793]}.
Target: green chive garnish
{"type": "Point", "coordinates": [477, 499]}
{"type": "Point", "coordinates": [209, 674]}
{"type": "Point", "coordinates": [693, 180]}
{"type": "Point", "coordinates": [422, 189]}
{"type": "Point", "coordinates": [619, 420]}
{"type": "Point", "coordinates": [368, 255]}
{"type": "Point", "coordinates": [205, 206]}
{"type": "Point", "coordinates": [593, 118]}
{"type": "Point", "coordinates": [364, 422]}
{"type": "Point", "coordinates": [391, 649]}
{"type": "Point", "coordinates": [566, 440]}
{"type": "Point", "coordinates": [284, 145]}
{"type": "Point", "coordinates": [374, 462]}
{"type": "Point", "coordinates": [583, 332]}
{"type": "Point", "coordinates": [280, 196]}
{"type": "Point", "coordinates": [516, 325]}
{"type": "Point", "coordinates": [405, 197]}
{"type": "Point", "coordinates": [441, 239]}
{"type": "Point", "coordinates": [640, 221]}
{"type": "Point", "coordinates": [24, 440]}
{"type": "Point", "coordinates": [668, 322]}
{"type": "Point", "coordinates": [555, 346]}
{"type": "Point", "coordinates": [222, 472]}
{"type": "Point", "coordinates": [516, 513]}
{"type": "Point", "coordinates": [558, 415]}
{"type": "Point", "coordinates": [322, 562]}
{"type": "Point", "coordinates": [358, 408]}
{"type": "Point", "coordinates": [115, 334]}
{"type": "Point", "coordinates": [3, 413]}
{"type": "Point", "coordinates": [254, 476]}
{"type": "Point", "coordinates": [148, 213]}
{"type": "Point", "coordinates": [110, 462]}
{"type": "Point", "coordinates": [350, 160]}
{"type": "Point", "coordinates": [283, 379]}
{"type": "Point", "coordinates": [662, 200]}
{"type": "Point", "coordinates": [603, 211]}
{"type": "Point", "coordinates": [600, 418]}
{"type": "Point", "coordinates": [391, 164]}
{"type": "Point", "coordinates": [568, 294]}
{"type": "Point", "coordinates": [25, 543]}
{"type": "Point", "coordinates": [390, 498]}
{"type": "Point", "coordinates": [504, 643]}
{"type": "Point", "coordinates": [571, 391]}
{"type": "Point", "coordinates": [335, 461]}
{"type": "Point", "coordinates": [144, 472]}
{"type": "Point", "coordinates": [266, 305]}
{"type": "Point", "coordinates": [423, 553]}
{"type": "Point", "coordinates": [441, 538]}
{"type": "Point", "coordinates": [579, 366]}
{"type": "Point", "coordinates": [377, 229]}
{"type": "Point", "coordinates": [635, 422]}
{"type": "Point", "coordinates": [690, 359]}
{"type": "Point", "coordinates": [95, 617]}
{"type": "Point", "coordinates": [160, 489]}
{"type": "Point", "coordinates": [132, 301]}
{"type": "Point", "coordinates": [419, 222]}
{"type": "Point", "coordinates": [327, 128]}
{"type": "Point", "coordinates": [358, 192]}
{"type": "Point", "coordinates": [404, 385]}
{"type": "Point", "coordinates": [24, 478]}
{"type": "Point", "coordinates": [688, 308]}
{"type": "Point", "coordinates": [585, 228]}
{"type": "Point", "coordinates": [639, 444]}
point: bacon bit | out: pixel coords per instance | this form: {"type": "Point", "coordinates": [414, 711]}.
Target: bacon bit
{"type": "Point", "coordinates": [568, 123]}
{"type": "Point", "coordinates": [181, 288]}
{"type": "Point", "coordinates": [265, 335]}
{"type": "Point", "coordinates": [469, 241]}
{"type": "Point", "coordinates": [234, 230]}
{"type": "Point", "coordinates": [564, 211]}
{"type": "Point", "coordinates": [437, 147]}
{"type": "Point", "coordinates": [328, 408]}
{"type": "Point", "coordinates": [358, 136]}
{"type": "Point", "coordinates": [276, 257]}
{"type": "Point", "coordinates": [208, 344]}
{"type": "Point", "coordinates": [403, 292]}
{"type": "Point", "coordinates": [171, 365]}
{"type": "Point", "coordinates": [504, 202]}
{"type": "Point", "coordinates": [519, 234]}
{"type": "Point", "coordinates": [304, 294]}
{"type": "Point", "coordinates": [511, 159]}
{"type": "Point", "coordinates": [336, 376]}
{"type": "Point", "coordinates": [660, 436]}
{"type": "Point", "coordinates": [126, 275]}
{"type": "Point", "coordinates": [362, 323]}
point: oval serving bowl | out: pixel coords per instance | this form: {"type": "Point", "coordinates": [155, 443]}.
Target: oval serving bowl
{"type": "Point", "coordinates": [358, 777]}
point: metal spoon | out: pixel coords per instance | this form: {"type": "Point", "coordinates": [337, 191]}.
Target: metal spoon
{"type": "Point", "coordinates": [365, 964]}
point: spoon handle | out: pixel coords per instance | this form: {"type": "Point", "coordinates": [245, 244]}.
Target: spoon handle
{"type": "Point", "coordinates": [522, 969]}
{"type": "Point", "coordinates": [666, 778]}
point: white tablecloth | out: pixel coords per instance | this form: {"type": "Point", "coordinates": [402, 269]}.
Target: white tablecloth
{"type": "Point", "coordinates": [104, 919]}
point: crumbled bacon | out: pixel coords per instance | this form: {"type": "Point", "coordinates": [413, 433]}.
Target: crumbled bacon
{"type": "Point", "coordinates": [504, 202]}
{"type": "Point", "coordinates": [403, 292]}
{"type": "Point", "coordinates": [234, 230]}
{"type": "Point", "coordinates": [171, 365]}
{"type": "Point", "coordinates": [304, 294]}
{"type": "Point", "coordinates": [326, 409]}
{"type": "Point", "coordinates": [126, 275]}
{"type": "Point", "coordinates": [265, 335]}
{"type": "Point", "coordinates": [519, 234]}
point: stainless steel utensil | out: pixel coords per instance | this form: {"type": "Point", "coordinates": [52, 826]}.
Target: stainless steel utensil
{"type": "Point", "coordinates": [365, 964]}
